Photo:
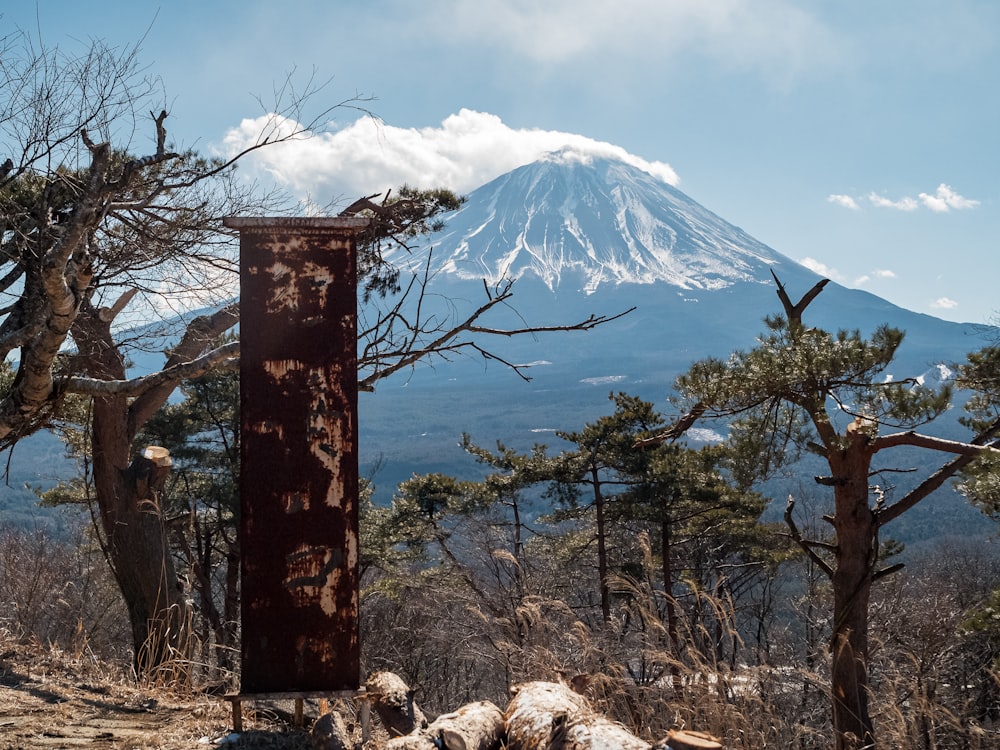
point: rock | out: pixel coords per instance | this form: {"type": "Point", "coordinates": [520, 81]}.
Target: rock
{"type": "Point", "coordinates": [330, 733]}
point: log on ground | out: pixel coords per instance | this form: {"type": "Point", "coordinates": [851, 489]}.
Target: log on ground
{"type": "Point", "coordinates": [548, 715]}
{"type": "Point", "coordinates": [474, 726]}
{"type": "Point", "coordinates": [393, 701]}
{"type": "Point", "coordinates": [417, 741]}
{"type": "Point", "coordinates": [677, 739]}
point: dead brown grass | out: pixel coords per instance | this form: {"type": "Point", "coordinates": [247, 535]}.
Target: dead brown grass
{"type": "Point", "coordinates": [51, 699]}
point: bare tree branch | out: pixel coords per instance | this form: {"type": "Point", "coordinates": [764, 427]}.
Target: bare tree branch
{"type": "Point", "coordinates": [794, 312]}
{"type": "Point", "coordinates": [985, 438]}
{"type": "Point", "coordinates": [807, 546]}
{"type": "Point", "coordinates": [933, 443]}
{"type": "Point", "coordinates": [224, 357]}
{"type": "Point", "coordinates": [684, 423]}
{"type": "Point", "coordinates": [400, 339]}
{"type": "Point", "coordinates": [201, 333]}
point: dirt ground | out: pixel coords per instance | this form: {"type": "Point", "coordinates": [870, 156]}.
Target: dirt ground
{"type": "Point", "coordinates": [54, 700]}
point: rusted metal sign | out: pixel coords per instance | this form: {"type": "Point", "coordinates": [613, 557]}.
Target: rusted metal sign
{"type": "Point", "coordinates": [299, 454]}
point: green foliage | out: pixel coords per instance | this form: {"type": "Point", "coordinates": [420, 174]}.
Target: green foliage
{"type": "Point", "coordinates": [985, 620]}
{"type": "Point", "coordinates": [6, 377]}
{"type": "Point", "coordinates": [392, 543]}
{"type": "Point", "coordinates": [428, 497]}
{"type": "Point", "coordinates": [803, 368]}
{"type": "Point", "coordinates": [640, 480]}
{"type": "Point", "coordinates": [782, 391]}
{"type": "Point", "coordinates": [764, 440]}
{"type": "Point", "coordinates": [396, 540]}
{"type": "Point", "coordinates": [514, 472]}
{"type": "Point", "coordinates": [610, 490]}
{"type": "Point", "coordinates": [981, 374]}
{"type": "Point", "coordinates": [201, 431]}
{"type": "Point", "coordinates": [395, 222]}
{"type": "Point", "coordinates": [804, 388]}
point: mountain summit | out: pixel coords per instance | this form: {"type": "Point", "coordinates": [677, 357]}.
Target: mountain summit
{"type": "Point", "coordinates": [578, 219]}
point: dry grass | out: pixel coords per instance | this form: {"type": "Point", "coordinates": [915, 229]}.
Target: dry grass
{"type": "Point", "coordinates": [456, 643]}
{"type": "Point", "coordinates": [51, 699]}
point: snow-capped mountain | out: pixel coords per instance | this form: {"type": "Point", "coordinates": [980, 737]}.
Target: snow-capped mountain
{"type": "Point", "coordinates": [587, 221]}
{"type": "Point", "coordinates": [585, 234]}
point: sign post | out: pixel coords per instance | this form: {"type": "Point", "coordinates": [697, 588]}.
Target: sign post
{"type": "Point", "coordinates": [299, 455]}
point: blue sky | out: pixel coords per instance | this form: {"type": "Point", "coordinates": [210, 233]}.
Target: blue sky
{"type": "Point", "coordinates": [858, 137]}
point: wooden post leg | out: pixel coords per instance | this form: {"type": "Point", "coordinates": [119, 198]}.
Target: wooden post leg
{"type": "Point", "coordinates": [237, 715]}
{"type": "Point", "coordinates": [365, 709]}
{"type": "Point", "coordinates": [298, 712]}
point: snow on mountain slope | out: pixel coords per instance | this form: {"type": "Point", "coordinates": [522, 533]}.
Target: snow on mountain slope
{"type": "Point", "coordinates": [589, 221]}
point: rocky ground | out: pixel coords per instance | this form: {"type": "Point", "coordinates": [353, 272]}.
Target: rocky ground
{"type": "Point", "coordinates": [50, 699]}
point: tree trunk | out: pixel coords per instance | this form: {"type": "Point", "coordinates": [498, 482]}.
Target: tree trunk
{"type": "Point", "coordinates": [855, 525]}
{"type": "Point", "coordinates": [602, 548]}
{"type": "Point", "coordinates": [136, 540]}
{"type": "Point", "coordinates": [231, 609]}
{"type": "Point", "coordinates": [135, 535]}
{"type": "Point", "coordinates": [216, 633]}
{"type": "Point", "coordinates": [668, 584]}
{"type": "Point", "coordinates": [128, 494]}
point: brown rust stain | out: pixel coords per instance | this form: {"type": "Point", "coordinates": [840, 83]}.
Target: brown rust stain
{"type": "Point", "coordinates": [299, 479]}
{"type": "Point", "coordinates": [295, 501]}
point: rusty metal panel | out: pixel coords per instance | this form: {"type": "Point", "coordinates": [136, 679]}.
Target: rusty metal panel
{"type": "Point", "coordinates": [299, 454]}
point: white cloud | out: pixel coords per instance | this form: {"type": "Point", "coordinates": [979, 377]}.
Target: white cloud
{"type": "Point", "coordinates": [903, 204]}
{"type": "Point", "coordinates": [364, 157]}
{"type": "Point", "coordinates": [843, 200]}
{"type": "Point", "coordinates": [878, 273]}
{"type": "Point", "coordinates": [822, 269]}
{"type": "Point", "coordinates": [945, 199]}
{"type": "Point", "coordinates": [944, 303]}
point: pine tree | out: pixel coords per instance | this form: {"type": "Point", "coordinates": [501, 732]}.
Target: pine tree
{"type": "Point", "coordinates": [803, 388]}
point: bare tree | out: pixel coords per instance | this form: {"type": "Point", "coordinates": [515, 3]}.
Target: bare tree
{"type": "Point", "coordinates": [88, 231]}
